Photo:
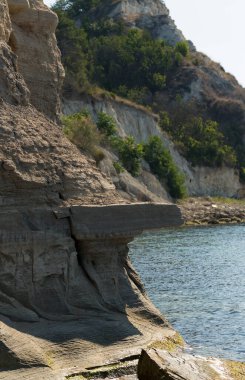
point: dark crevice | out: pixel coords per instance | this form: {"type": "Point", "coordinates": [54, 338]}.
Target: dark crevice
{"type": "Point", "coordinates": [12, 43]}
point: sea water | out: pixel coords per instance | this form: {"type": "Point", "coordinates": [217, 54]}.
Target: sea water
{"type": "Point", "coordinates": [196, 277]}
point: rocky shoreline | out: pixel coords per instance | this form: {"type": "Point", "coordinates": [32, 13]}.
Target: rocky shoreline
{"type": "Point", "coordinates": [211, 211]}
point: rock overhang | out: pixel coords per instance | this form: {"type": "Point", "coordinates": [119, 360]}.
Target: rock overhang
{"type": "Point", "coordinates": [91, 222]}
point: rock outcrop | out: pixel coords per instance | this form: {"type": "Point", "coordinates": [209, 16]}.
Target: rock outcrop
{"type": "Point", "coordinates": [12, 86]}
{"type": "Point", "coordinates": [63, 262]}
{"type": "Point", "coordinates": [216, 93]}
{"type": "Point", "coordinates": [32, 39]}
{"type": "Point", "coordinates": [145, 14]}
{"type": "Point", "coordinates": [157, 364]}
{"type": "Point", "coordinates": [205, 210]}
{"type": "Point", "coordinates": [69, 297]}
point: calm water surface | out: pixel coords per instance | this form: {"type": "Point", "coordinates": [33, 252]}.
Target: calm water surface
{"type": "Point", "coordinates": [196, 277]}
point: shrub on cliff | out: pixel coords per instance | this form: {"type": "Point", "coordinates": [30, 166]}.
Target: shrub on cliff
{"type": "Point", "coordinates": [80, 129]}
{"type": "Point", "coordinates": [161, 164]}
{"type": "Point", "coordinates": [242, 175]}
{"type": "Point", "coordinates": [130, 153]}
{"type": "Point", "coordinates": [133, 60]}
{"type": "Point", "coordinates": [182, 47]}
{"type": "Point", "coordinates": [73, 45]}
{"type": "Point", "coordinates": [200, 141]}
{"type": "Point", "coordinates": [106, 124]}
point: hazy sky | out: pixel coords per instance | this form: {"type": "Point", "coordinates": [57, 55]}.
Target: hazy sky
{"type": "Point", "coordinates": [216, 27]}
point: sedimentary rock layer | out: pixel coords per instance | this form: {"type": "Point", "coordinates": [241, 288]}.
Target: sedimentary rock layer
{"type": "Point", "coordinates": [157, 364]}
{"type": "Point", "coordinates": [58, 264]}
{"type": "Point", "coordinates": [29, 31]}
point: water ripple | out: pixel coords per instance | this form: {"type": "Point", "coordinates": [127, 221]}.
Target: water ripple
{"type": "Point", "coordinates": [196, 277]}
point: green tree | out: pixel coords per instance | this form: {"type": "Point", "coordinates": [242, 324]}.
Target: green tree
{"type": "Point", "coordinates": [161, 164]}
{"type": "Point", "coordinates": [200, 141]}
{"type": "Point", "coordinates": [106, 124]}
{"type": "Point", "coordinates": [73, 44]}
{"type": "Point", "coordinates": [130, 154]}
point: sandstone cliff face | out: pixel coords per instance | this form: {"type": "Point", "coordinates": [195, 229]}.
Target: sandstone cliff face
{"type": "Point", "coordinates": [66, 283]}
{"type": "Point", "coordinates": [32, 39]}
{"type": "Point", "coordinates": [12, 86]}
{"type": "Point", "coordinates": [146, 14]}
{"type": "Point", "coordinates": [135, 121]}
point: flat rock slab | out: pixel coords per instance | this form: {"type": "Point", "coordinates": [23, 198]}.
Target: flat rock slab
{"type": "Point", "coordinates": [100, 221]}
{"type": "Point", "coordinates": [155, 364]}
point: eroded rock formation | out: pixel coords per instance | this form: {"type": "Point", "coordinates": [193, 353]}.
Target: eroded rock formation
{"type": "Point", "coordinates": [156, 364]}
{"type": "Point", "coordinates": [32, 39]}
{"type": "Point", "coordinates": [69, 297]}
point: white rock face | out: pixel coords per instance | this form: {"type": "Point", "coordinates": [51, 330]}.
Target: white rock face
{"type": "Point", "coordinates": [134, 121]}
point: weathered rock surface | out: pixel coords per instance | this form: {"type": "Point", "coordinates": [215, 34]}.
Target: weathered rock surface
{"type": "Point", "coordinates": [67, 289]}
{"type": "Point", "coordinates": [39, 166]}
{"type": "Point", "coordinates": [158, 364]}
{"type": "Point", "coordinates": [66, 282]}
{"type": "Point", "coordinates": [141, 124]}
{"type": "Point", "coordinates": [12, 86]}
{"type": "Point", "coordinates": [216, 93]}
{"type": "Point", "coordinates": [32, 39]}
{"type": "Point", "coordinates": [63, 262]}
{"type": "Point", "coordinates": [69, 297]}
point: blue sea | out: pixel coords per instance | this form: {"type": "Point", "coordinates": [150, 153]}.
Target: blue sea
{"type": "Point", "coordinates": [196, 277]}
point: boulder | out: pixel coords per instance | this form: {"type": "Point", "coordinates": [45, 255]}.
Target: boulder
{"type": "Point", "coordinates": [157, 364]}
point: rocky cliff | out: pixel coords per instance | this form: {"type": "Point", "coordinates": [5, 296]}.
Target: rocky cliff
{"type": "Point", "coordinates": [69, 297]}
{"type": "Point", "coordinates": [196, 85]}
{"type": "Point", "coordinates": [32, 38]}
{"type": "Point", "coordinates": [140, 123]}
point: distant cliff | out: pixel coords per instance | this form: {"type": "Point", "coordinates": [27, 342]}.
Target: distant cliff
{"type": "Point", "coordinates": [133, 49]}
{"type": "Point", "coordinates": [142, 124]}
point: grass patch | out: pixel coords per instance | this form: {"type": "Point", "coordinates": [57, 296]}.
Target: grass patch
{"type": "Point", "coordinates": [228, 200]}
{"type": "Point", "coordinates": [163, 166]}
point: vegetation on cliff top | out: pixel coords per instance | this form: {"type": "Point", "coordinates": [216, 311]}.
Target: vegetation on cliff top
{"type": "Point", "coordinates": [130, 63]}
{"type": "Point", "coordinates": [105, 53]}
